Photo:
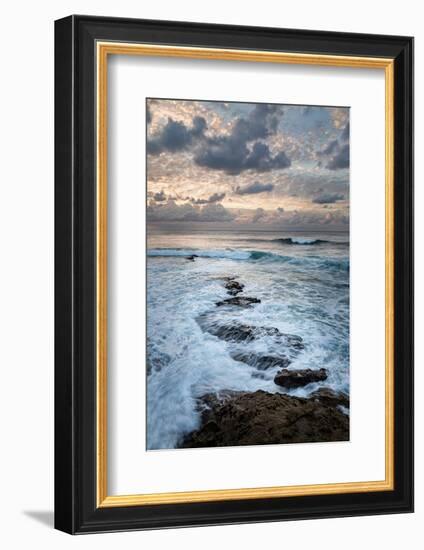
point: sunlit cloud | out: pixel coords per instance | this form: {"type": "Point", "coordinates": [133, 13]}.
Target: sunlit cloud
{"type": "Point", "coordinates": [242, 163]}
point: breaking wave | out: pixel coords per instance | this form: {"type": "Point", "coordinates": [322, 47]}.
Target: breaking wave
{"type": "Point", "coordinates": [307, 242]}
{"type": "Point", "coordinates": [184, 252]}
{"type": "Point", "coordinates": [252, 255]}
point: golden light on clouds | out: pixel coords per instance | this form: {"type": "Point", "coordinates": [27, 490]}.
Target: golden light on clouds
{"type": "Point", "coordinates": [247, 163]}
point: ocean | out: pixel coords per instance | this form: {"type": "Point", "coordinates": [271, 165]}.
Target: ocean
{"type": "Point", "coordinates": [302, 282]}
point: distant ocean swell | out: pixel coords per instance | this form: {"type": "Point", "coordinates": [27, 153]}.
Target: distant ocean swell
{"type": "Point", "coordinates": [252, 255]}
{"type": "Point", "coordinates": [307, 242]}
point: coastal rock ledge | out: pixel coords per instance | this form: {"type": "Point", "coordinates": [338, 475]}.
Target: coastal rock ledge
{"type": "Point", "coordinates": [297, 378]}
{"type": "Point", "coordinates": [260, 418]}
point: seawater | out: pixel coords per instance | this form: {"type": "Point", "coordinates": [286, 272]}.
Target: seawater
{"type": "Point", "coordinates": [302, 280]}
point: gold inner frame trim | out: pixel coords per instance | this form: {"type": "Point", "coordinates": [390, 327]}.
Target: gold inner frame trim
{"type": "Point", "coordinates": [103, 50]}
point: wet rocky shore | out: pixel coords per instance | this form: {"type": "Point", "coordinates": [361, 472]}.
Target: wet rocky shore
{"type": "Point", "coordinates": [231, 418]}
{"type": "Point", "coordinates": [261, 418]}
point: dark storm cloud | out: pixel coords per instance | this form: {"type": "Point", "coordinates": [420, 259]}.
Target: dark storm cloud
{"type": "Point", "coordinates": [216, 197]}
{"type": "Point", "coordinates": [328, 198]}
{"type": "Point", "coordinates": [340, 159]}
{"type": "Point", "coordinates": [336, 152]}
{"type": "Point", "coordinates": [254, 188]}
{"type": "Point", "coordinates": [176, 136]}
{"type": "Point", "coordinates": [233, 157]}
{"type": "Point", "coordinates": [231, 153]}
{"type": "Point", "coordinates": [260, 123]}
{"type": "Point", "coordinates": [241, 150]}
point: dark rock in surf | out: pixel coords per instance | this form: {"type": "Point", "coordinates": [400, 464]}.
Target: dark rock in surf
{"type": "Point", "coordinates": [235, 332]}
{"type": "Point", "coordinates": [192, 257]}
{"type": "Point", "coordinates": [330, 397]}
{"type": "Point", "coordinates": [239, 332]}
{"type": "Point", "coordinates": [240, 301]}
{"type": "Point", "coordinates": [261, 362]}
{"type": "Point", "coordinates": [260, 418]}
{"type": "Point", "coordinates": [234, 287]}
{"type": "Point", "coordinates": [296, 378]}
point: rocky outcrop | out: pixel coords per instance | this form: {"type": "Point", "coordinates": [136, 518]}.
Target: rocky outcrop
{"type": "Point", "coordinates": [192, 257]}
{"type": "Point", "coordinates": [330, 397]}
{"type": "Point", "coordinates": [261, 362]}
{"type": "Point", "coordinates": [240, 301]}
{"type": "Point", "coordinates": [290, 378]}
{"type": "Point", "coordinates": [261, 418]}
{"type": "Point", "coordinates": [234, 332]}
{"type": "Point", "coordinates": [240, 332]}
{"type": "Point", "coordinates": [233, 287]}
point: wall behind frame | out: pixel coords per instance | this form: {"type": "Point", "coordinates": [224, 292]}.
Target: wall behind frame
{"type": "Point", "coordinates": [26, 275]}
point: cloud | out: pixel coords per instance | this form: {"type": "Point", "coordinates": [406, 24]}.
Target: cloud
{"type": "Point", "coordinates": [148, 115]}
{"type": "Point", "coordinates": [331, 148]}
{"type": "Point", "coordinates": [306, 110]}
{"type": "Point", "coordinates": [336, 151]}
{"type": "Point", "coordinates": [242, 149]}
{"type": "Point", "coordinates": [175, 136]}
{"type": "Point", "coordinates": [215, 212]}
{"type": "Point", "coordinates": [216, 197]}
{"type": "Point", "coordinates": [234, 157]}
{"type": "Point", "coordinates": [253, 188]}
{"type": "Point", "coordinates": [296, 218]}
{"type": "Point", "coordinates": [314, 217]}
{"type": "Point", "coordinates": [300, 185]}
{"type": "Point", "coordinates": [340, 159]}
{"type": "Point", "coordinates": [345, 133]}
{"type": "Point", "coordinates": [170, 211]}
{"type": "Point", "coordinates": [258, 215]}
{"type": "Point", "coordinates": [328, 198]}
{"type": "Point", "coordinates": [160, 196]}
{"type": "Point", "coordinates": [339, 115]}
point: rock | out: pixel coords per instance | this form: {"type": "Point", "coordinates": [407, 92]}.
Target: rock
{"type": "Point", "coordinates": [192, 257]}
{"type": "Point", "coordinates": [236, 332]}
{"type": "Point", "coordinates": [261, 362]}
{"type": "Point", "coordinates": [288, 378]}
{"type": "Point", "coordinates": [233, 287]}
{"type": "Point", "coordinates": [241, 301]}
{"type": "Point", "coordinates": [239, 332]}
{"type": "Point", "coordinates": [261, 418]}
{"type": "Point", "coordinates": [330, 397]}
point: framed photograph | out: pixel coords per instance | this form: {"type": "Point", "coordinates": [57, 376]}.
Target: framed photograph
{"type": "Point", "coordinates": [233, 274]}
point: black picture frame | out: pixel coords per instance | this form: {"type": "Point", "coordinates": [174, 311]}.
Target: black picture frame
{"type": "Point", "coordinates": [76, 509]}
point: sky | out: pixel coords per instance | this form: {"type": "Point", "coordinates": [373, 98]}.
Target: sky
{"type": "Point", "coordinates": [245, 164]}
